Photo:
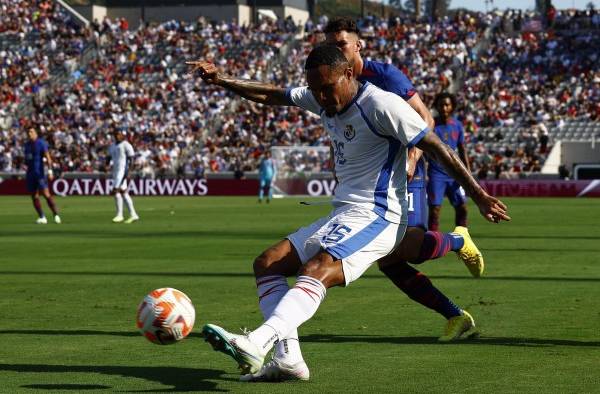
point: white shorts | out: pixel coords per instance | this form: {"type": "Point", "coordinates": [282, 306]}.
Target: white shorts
{"type": "Point", "coordinates": [357, 236]}
{"type": "Point", "coordinates": [119, 182]}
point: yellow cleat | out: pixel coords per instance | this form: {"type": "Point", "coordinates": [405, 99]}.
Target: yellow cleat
{"type": "Point", "coordinates": [469, 253]}
{"type": "Point", "coordinates": [459, 327]}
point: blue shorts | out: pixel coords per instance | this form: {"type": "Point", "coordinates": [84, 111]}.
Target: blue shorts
{"type": "Point", "coordinates": [36, 182]}
{"type": "Point", "coordinates": [417, 207]}
{"type": "Point", "coordinates": [265, 182]}
{"type": "Point", "coordinates": [438, 188]}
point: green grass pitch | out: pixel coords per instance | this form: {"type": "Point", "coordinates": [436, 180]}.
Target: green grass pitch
{"type": "Point", "coordinates": [69, 294]}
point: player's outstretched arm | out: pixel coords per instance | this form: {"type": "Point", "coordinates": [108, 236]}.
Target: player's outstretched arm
{"type": "Point", "coordinates": [260, 92]}
{"type": "Point", "coordinates": [490, 207]}
{"type": "Point", "coordinates": [464, 156]}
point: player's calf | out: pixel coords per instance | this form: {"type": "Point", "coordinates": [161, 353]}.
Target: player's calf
{"type": "Point", "coordinates": [279, 259]}
{"type": "Point", "coordinates": [436, 244]}
{"type": "Point", "coordinates": [434, 217]}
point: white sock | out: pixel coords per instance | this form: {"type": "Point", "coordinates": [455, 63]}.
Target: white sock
{"type": "Point", "coordinates": [297, 306]}
{"type": "Point", "coordinates": [271, 290]}
{"type": "Point", "coordinates": [119, 203]}
{"type": "Point", "coordinates": [129, 203]}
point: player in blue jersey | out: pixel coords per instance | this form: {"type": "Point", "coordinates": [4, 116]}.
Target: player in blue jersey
{"type": "Point", "coordinates": [36, 150]}
{"type": "Point", "coordinates": [266, 174]}
{"type": "Point", "coordinates": [450, 131]}
{"type": "Point", "coordinates": [418, 244]}
{"type": "Point", "coordinates": [371, 130]}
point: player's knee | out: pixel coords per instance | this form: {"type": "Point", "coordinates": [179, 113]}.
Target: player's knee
{"type": "Point", "coordinates": [313, 268]}
{"type": "Point", "coordinates": [387, 261]}
{"type": "Point", "coordinates": [324, 269]}
{"type": "Point", "coordinates": [262, 263]}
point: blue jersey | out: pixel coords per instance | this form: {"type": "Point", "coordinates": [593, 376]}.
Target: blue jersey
{"type": "Point", "coordinates": [388, 77]}
{"type": "Point", "coordinates": [34, 157]}
{"type": "Point", "coordinates": [452, 134]}
{"type": "Point", "coordinates": [266, 169]}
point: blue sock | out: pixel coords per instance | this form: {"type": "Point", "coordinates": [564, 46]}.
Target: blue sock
{"type": "Point", "coordinates": [456, 241]}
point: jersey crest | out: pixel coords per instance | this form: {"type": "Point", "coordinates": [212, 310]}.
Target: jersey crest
{"type": "Point", "coordinates": [349, 132]}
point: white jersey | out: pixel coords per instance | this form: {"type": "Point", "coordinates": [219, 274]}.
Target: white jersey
{"type": "Point", "coordinates": [121, 154]}
{"type": "Point", "coordinates": [370, 137]}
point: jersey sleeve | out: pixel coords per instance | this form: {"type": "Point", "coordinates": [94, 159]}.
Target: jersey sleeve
{"type": "Point", "coordinates": [303, 98]}
{"type": "Point", "coordinates": [129, 150]}
{"type": "Point", "coordinates": [397, 82]}
{"type": "Point", "coordinates": [396, 118]}
{"type": "Point", "coordinates": [43, 146]}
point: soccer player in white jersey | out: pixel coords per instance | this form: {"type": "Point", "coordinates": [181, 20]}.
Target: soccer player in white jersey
{"type": "Point", "coordinates": [121, 154]}
{"type": "Point", "coordinates": [371, 130]}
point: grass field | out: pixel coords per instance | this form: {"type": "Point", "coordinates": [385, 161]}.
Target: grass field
{"type": "Point", "coordinates": [69, 294]}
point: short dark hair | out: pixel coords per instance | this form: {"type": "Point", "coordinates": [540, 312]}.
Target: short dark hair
{"type": "Point", "coordinates": [325, 55]}
{"type": "Point", "coordinates": [443, 96]}
{"type": "Point", "coordinates": [341, 23]}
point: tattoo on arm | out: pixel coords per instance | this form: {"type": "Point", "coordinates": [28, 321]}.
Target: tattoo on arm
{"type": "Point", "coordinates": [444, 155]}
{"type": "Point", "coordinates": [462, 153]}
{"type": "Point", "coordinates": [257, 91]}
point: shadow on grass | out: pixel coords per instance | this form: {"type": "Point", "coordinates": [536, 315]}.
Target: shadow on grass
{"type": "Point", "coordinates": [181, 379]}
{"type": "Point", "coordinates": [83, 333]}
{"type": "Point", "coordinates": [251, 275]}
{"type": "Point", "coordinates": [67, 387]}
{"type": "Point", "coordinates": [268, 236]}
{"type": "Point", "coordinates": [326, 338]}
{"type": "Point", "coordinates": [530, 236]}
{"type": "Point", "coordinates": [493, 341]}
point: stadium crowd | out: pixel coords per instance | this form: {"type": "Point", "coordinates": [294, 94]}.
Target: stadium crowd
{"type": "Point", "coordinates": [78, 84]}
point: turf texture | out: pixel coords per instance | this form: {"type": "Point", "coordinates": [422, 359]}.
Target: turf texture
{"type": "Point", "coordinates": [69, 293]}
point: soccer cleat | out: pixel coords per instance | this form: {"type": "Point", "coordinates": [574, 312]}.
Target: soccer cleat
{"type": "Point", "coordinates": [132, 219]}
{"type": "Point", "coordinates": [117, 219]}
{"type": "Point", "coordinates": [469, 253]}
{"type": "Point", "coordinates": [41, 221]}
{"type": "Point", "coordinates": [57, 219]}
{"type": "Point", "coordinates": [248, 356]}
{"type": "Point", "coordinates": [458, 327]}
{"type": "Point", "coordinates": [278, 371]}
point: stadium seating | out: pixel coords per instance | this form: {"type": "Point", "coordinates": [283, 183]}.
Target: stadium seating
{"type": "Point", "coordinates": [78, 84]}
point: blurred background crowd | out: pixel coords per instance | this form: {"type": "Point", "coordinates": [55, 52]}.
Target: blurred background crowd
{"type": "Point", "coordinates": [517, 86]}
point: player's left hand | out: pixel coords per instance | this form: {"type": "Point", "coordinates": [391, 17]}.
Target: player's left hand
{"type": "Point", "coordinates": [492, 209]}
{"type": "Point", "coordinates": [411, 167]}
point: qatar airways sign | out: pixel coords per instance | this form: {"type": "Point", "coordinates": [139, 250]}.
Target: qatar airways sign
{"type": "Point", "coordinates": [139, 187]}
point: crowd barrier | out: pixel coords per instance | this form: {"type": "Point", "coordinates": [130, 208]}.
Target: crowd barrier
{"type": "Point", "coordinates": [319, 186]}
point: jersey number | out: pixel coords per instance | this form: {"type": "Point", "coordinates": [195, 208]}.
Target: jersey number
{"type": "Point", "coordinates": [337, 233]}
{"type": "Point", "coordinates": [410, 201]}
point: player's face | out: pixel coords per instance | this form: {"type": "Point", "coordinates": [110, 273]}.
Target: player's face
{"type": "Point", "coordinates": [445, 107]}
{"type": "Point", "coordinates": [119, 137]}
{"type": "Point", "coordinates": [349, 43]}
{"type": "Point", "coordinates": [32, 134]}
{"type": "Point", "coordinates": [331, 87]}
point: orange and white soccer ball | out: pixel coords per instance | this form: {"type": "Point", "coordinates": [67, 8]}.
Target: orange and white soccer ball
{"type": "Point", "coordinates": [166, 316]}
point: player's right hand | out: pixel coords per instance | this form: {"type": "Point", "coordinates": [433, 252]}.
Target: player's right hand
{"type": "Point", "coordinates": [208, 71]}
{"type": "Point", "coordinates": [491, 208]}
